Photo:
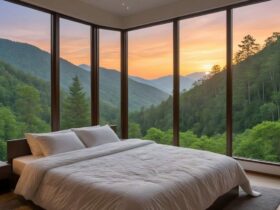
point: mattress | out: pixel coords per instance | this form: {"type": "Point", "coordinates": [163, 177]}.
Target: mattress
{"type": "Point", "coordinates": [20, 162]}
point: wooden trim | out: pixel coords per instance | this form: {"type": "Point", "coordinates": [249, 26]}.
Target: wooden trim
{"type": "Point", "coordinates": [262, 173]}
{"type": "Point", "coordinates": [17, 148]}
{"type": "Point", "coordinates": [94, 75]}
{"type": "Point", "coordinates": [176, 83]}
{"type": "Point", "coordinates": [55, 92]}
{"type": "Point", "coordinates": [124, 85]}
{"type": "Point", "coordinates": [229, 90]}
{"type": "Point", "coordinates": [256, 161]}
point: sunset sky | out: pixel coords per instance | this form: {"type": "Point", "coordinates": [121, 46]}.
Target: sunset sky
{"type": "Point", "coordinates": [203, 39]}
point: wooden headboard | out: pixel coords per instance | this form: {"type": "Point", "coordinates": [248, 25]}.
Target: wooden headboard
{"type": "Point", "coordinates": [17, 148]}
{"type": "Point", "coordinates": [20, 147]}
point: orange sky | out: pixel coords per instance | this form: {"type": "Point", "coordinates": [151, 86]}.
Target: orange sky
{"type": "Point", "coordinates": [203, 39]}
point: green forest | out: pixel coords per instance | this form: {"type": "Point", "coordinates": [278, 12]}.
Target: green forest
{"type": "Point", "coordinates": [256, 106]}
{"type": "Point", "coordinates": [25, 105]}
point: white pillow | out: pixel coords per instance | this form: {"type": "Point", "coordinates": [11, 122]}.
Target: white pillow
{"type": "Point", "coordinates": [33, 144]}
{"type": "Point", "coordinates": [56, 143]}
{"type": "Point", "coordinates": [96, 136]}
{"type": "Point", "coordinates": [89, 127]}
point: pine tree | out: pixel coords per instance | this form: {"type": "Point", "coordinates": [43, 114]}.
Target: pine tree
{"type": "Point", "coordinates": [272, 39]}
{"type": "Point", "coordinates": [75, 111]}
{"type": "Point", "coordinates": [248, 47]}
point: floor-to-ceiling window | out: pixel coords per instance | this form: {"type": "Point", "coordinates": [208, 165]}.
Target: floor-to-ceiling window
{"type": "Point", "coordinates": [25, 79]}
{"type": "Point", "coordinates": [203, 82]}
{"type": "Point", "coordinates": [75, 74]}
{"type": "Point", "coordinates": [150, 85]}
{"type": "Point", "coordinates": [256, 81]}
{"type": "Point", "coordinates": [109, 80]}
{"type": "Point", "coordinates": [24, 72]}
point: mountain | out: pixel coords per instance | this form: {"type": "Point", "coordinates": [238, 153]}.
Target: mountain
{"type": "Point", "coordinates": [256, 98]}
{"type": "Point", "coordinates": [196, 76]}
{"type": "Point", "coordinates": [85, 67]}
{"type": "Point", "coordinates": [36, 62]}
{"type": "Point", "coordinates": [166, 83]}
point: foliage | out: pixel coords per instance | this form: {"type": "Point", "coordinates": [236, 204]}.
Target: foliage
{"type": "Point", "coordinates": [9, 127]}
{"type": "Point", "coordinates": [272, 39]}
{"type": "Point", "coordinates": [261, 142]}
{"type": "Point", "coordinates": [75, 112]}
{"type": "Point", "coordinates": [248, 48]}
{"type": "Point", "coordinates": [134, 130]}
{"type": "Point", "coordinates": [3, 150]}
{"type": "Point", "coordinates": [35, 62]}
{"type": "Point", "coordinates": [25, 103]}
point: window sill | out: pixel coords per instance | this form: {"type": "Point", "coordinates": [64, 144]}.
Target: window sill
{"type": "Point", "coordinates": [259, 166]}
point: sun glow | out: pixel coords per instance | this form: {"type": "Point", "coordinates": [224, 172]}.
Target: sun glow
{"type": "Point", "coordinates": [207, 67]}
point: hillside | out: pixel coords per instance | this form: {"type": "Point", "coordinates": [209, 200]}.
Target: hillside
{"type": "Point", "coordinates": [33, 61]}
{"type": "Point", "coordinates": [17, 92]}
{"type": "Point", "coordinates": [166, 83]}
{"type": "Point", "coordinates": [256, 98]}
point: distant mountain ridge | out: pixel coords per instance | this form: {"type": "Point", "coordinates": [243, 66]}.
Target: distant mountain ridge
{"type": "Point", "coordinates": [164, 83]}
{"type": "Point", "coordinates": [36, 62]}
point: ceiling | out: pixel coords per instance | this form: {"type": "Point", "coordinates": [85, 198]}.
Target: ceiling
{"type": "Point", "coordinates": [115, 14]}
{"type": "Point", "coordinates": [128, 7]}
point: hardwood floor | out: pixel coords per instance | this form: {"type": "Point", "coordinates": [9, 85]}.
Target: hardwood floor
{"type": "Point", "coordinates": [264, 181]}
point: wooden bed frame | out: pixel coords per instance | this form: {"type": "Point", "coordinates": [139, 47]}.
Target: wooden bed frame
{"type": "Point", "coordinates": [19, 147]}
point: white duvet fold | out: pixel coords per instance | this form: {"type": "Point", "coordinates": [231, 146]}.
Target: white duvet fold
{"type": "Point", "coordinates": [131, 175]}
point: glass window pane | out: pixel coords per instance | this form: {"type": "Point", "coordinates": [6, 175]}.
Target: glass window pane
{"type": "Point", "coordinates": [256, 81]}
{"type": "Point", "coordinates": [74, 74]}
{"type": "Point", "coordinates": [150, 60]}
{"type": "Point", "coordinates": [202, 83]}
{"type": "Point", "coordinates": [109, 81]}
{"type": "Point", "coordinates": [24, 72]}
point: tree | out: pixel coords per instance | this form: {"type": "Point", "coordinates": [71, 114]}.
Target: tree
{"type": "Point", "coordinates": [8, 124]}
{"type": "Point", "coordinates": [28, 108]}
{"type": "Point", "coordinates": [268, 109]}
{"type": "Point", "coordinates": [155, 134]}
{"type": "Point", "coordinates": [3, 150]}
{"type": "Point", "coordinates": [215, 70]}
{"type": "Point", "coordinates": [276, 100]}
{"type": "Point", "coordinates": [272, 39]}
{"type": "Point", "coordinates": [248, 47]}
{"type": "Point", "coordinates": [261, 142]}
{"type": "Point", "coordinates": [75, 112]}
{"type": "Point", "coordinates": [134, 130]}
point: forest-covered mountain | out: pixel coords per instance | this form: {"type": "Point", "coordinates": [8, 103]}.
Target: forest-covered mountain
{"type": "Point", "coordinates": [35, 62]}
{"type": "Point", "coordinates": [164, 83]}
{"type": "Point", "coordinates": [256, 101]}
{"type": "Point", "coordinates": [256, 98]}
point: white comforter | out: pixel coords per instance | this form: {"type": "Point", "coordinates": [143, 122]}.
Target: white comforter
{"type": "Point", "coordinates": [131, 175]}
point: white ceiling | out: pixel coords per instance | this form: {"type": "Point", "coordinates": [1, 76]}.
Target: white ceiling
{"type": "Point", "coordinates": [128, 7]}
{"type": "Point", "coordinates": [111, 13]}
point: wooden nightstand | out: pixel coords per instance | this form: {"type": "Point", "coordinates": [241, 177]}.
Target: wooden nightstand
{"type": "Point", "coordinates": [5, 173]}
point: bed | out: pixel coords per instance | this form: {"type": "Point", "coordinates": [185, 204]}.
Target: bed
{"type": "Point", "coordinates": [131, 174]}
